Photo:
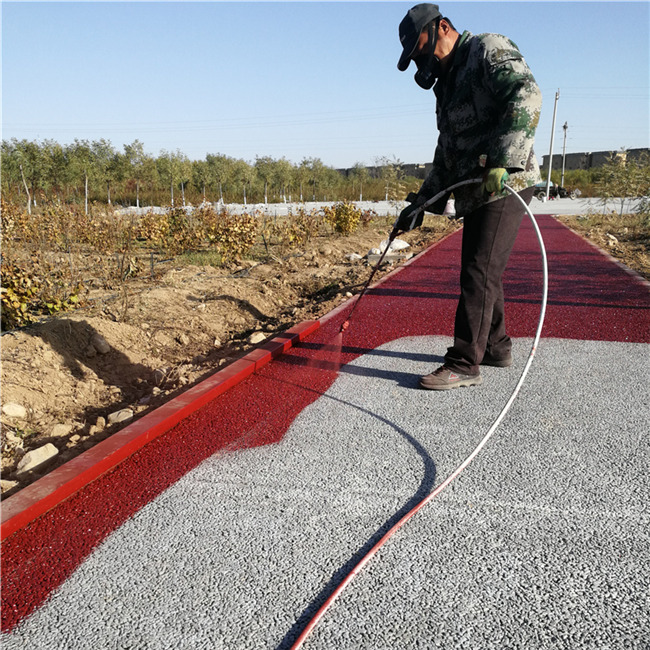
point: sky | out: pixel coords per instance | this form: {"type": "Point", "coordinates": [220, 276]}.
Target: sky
{"type": "Point", "coordinates": [303, 79]}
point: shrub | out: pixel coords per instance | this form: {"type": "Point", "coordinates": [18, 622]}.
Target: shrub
{"type": "Point", "coordinates": [232, 234]}
{"type": "Point", "coordinates": [30, 293]}
{"type": "Point", "coordinates": [344, 217]}
{"type": "Point", "coordinates": [171, 232]}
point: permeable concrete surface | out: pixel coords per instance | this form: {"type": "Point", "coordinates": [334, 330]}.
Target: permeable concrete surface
{"type": "Point", "coordinates": [543, 541]}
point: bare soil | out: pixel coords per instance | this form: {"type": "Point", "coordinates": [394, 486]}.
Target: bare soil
{"type": "Point", "coordinates": [139, 345]}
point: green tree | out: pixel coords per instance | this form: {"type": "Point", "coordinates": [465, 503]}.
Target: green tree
{"type": "Point", "coordinates": [392, 176]}
{"type": "Point", "coordinates": [183, 168]}
{"type": "Point", "coordinates": [219, 171]}
{"type": "Point", "coordinates": [107, 164]}
{"type": "Point", "coordinates": [135, 165]}
{"type": "Point", "coordinates": [10, 176]}
{"type": "Point", "coordinates": [55, 166]}
{"type": "Point", "coordinates": [622, 179]}
{"type": "Point", "coordinates": [29, 160]}
{"type": "Point", "coordinates": [243, 174]}
{"type": "Point", "coordinates": [301, 174]}
{"type": "Point", "coordinates": [168, 167]}
{"type": "Point", "coordinates": [359, 175]}
{"type": "Point", "coordinates": [330, 182]}
{"type": "Point", "coordinates": [316, 170]}
{"type": "Point", "coordinates": [200, 176]}
{"type": "Point", "coordinates": [282, 175]}
{"type": "Point", "coordinates": [81, 161]}
{"type": "Point", "coordinates": [264, 167]}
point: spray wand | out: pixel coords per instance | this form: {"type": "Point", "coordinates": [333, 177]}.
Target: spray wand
{"type": "Point", "coordinates": [396, 232]}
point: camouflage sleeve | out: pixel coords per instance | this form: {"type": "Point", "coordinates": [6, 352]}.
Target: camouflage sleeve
{"type": "Point", "coordinates": [513, 86]}
{"type": "Point", "coordinates": [435, 181]}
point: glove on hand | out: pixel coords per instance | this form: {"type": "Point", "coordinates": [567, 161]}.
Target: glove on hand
{"type": "Point", "coordinates": [408, 219]}
{"type": "Point", "coordinates": [494, 180]}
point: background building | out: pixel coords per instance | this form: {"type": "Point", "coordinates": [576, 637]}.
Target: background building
{"type": "Point", "coordinates": [590, 159]}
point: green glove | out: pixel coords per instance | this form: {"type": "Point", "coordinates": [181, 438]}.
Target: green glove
{"type": "Point", "coordinates": [494, 180]}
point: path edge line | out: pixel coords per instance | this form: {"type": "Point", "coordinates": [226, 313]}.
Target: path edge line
{"type": "Point", "coordinates": [34, 500]}
{"type": "Point", "coordinates": [47, 492]}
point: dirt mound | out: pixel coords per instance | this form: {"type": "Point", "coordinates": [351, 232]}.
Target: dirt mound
{"type": "Point", "coordinates": [134, 348]}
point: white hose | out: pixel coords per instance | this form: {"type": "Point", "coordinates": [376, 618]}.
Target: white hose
{"type": "Point", "coordinates": [366, 558]}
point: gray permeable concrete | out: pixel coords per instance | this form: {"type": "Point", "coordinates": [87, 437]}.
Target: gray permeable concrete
{"type": "Point", "coordinates": [543, 542]}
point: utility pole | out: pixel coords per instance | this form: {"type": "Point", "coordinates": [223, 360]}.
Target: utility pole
{"type": "Point", "coordinates": [550, 155]}
{"type": "Point", "coordinates": [565, 127]}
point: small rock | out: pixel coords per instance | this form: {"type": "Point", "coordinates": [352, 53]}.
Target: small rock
{"type": "Point", "coordinates": [5, 485]}
{"type": "Point", "coordinates": [100, 344]}
{"type": "Point", "coordinates": [348, 294]}
{"type": "Point", "coordinates": [120, 416]}
{"type": "Point", "coordinates": [145, 326]}
{"type": "Point", "coordinates": [60, 430]}
{"type": "Point", "coordinates": [36, 458]}
{"type": "Point", "coordinates": [353, 257]}
{"type": "Point", "coordinates": [100, 423]}
{"type": "Point", "coordinates": [395, 245]}
{"type": "Point", "coordinates": [217, 343]}
{"type": "Point", "coordinates": [75, 438]}
{"type": "Point", "coordinates": [92, 430]}
{"type": "Point", "coordinates": [399, 245]}
{"type": "Point", "coordinates": [201, 306]}
{"type": "Point", "coordinates": [183, 339]}
{"type": "Point", "coordinates": [13, 410]}
{"type": "Point", "coordinates": [12, 438]}
{"type": "Point", "coordinates": [256, 337]}
{"type": "Point", "coordinates": [156, 391]}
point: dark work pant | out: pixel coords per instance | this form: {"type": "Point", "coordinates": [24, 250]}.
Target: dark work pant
{"type": "Point", "coordinates": [488, 237]}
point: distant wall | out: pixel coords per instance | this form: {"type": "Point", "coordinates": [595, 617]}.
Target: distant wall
{"type": "Point", "coordinates": [417, 170]}
{"type": "Point", "coordinates": [585, 160]}
{"type": "Point", "coordinates": [590, 159]}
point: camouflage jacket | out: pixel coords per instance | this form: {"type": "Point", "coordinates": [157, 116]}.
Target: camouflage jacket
{"type": "Point", "coordinates": [488, 104]}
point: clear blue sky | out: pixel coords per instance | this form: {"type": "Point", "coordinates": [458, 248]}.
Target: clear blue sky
{"type": "Point", "coordinates": [302, 79]}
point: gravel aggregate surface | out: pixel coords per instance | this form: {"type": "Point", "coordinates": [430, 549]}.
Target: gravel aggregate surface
{"type": "Point", "coordinates": [543, 542]}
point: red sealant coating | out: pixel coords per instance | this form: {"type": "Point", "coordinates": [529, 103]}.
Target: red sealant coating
{"type": "Point", "coordinates": [590, 298]}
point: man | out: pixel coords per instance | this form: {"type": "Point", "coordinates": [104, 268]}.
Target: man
{"type": "Point", "coordinates": [487, 107]}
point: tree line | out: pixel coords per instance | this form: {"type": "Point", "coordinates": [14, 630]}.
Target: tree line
{"type": "Point", "coordinates": [95, 171]}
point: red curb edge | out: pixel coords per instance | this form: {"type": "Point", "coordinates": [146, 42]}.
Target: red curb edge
{"type": "Point", "coordinates": [47, 492]}
{"type": "Point", "coordinates": [53, 488]}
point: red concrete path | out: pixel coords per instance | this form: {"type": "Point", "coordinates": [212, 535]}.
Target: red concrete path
{"type": "Point", "coordinates": [590, 298]}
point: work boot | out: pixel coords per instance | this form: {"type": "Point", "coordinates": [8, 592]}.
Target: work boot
{"type": "Point", "coordinates": [497, 362]}
{"type": "Point", "coordinates": [445, 379]}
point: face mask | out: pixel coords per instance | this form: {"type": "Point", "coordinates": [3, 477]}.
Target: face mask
{"type": "Point", "coordinates": [427, 74]}
{"type": "Point", "coordinates": [428, 64]}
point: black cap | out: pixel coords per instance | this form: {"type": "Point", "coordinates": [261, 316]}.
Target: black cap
{"type": "Point", "coordinates": [411, 27]}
